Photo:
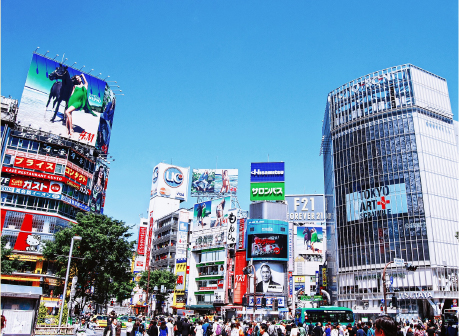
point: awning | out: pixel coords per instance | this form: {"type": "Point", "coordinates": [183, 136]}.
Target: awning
{"type": "Point", "coordinates": [51, 304]}
{"type": "Point", "coordinates": [201, 306]}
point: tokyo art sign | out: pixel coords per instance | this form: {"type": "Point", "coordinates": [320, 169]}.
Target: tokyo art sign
{"type": "Point", "coordinates": [376, 202]}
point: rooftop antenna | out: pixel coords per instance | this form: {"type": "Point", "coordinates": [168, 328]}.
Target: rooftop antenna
{"type": "Point", "coordinates": [90, 71]}
{"type": "Point", "coordinates": [81, 67]}
{"type": "Point", "coordinates": [63, 58]}
{"type": "Point", "coordinates": [36, 49]}
{"type": "Point", "coordinates": [73, 64]}
{"type": "Point", "coordinates": [57, 55]}
{"type": "Point", "coordinates": [106, 77]}
{"type": "Point", "coordinates": [47, 51]}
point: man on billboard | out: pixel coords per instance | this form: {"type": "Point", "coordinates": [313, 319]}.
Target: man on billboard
{"type": "Point", "coordinates": [202, 183]}
{"type": "Point", "coordinates": [267, 284]}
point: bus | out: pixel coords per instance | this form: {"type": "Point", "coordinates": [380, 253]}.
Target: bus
{"type": "Point", "coordinates": [324, 314]}
{"type": "Point", "coordinates": [451, 316]}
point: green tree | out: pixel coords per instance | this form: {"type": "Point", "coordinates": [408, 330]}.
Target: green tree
{"type": "Point", "coordinates": [101, 260]}
{"type": "Point", "coordinates": [9, 264]}
{"type": "Point", "coordinates": [42, 312]}
{"type": "Point", "coordinates": [64, 314]}
{"type": "Point", "coordinates": [158, 278]}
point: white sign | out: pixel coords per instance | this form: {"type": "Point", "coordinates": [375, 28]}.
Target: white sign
{"type": "Point", "coordinates": [170, 181]}
{"type": "Point", "coordinates": [231, 233]}
{"type": "Point", "coordinates": [399, 262]}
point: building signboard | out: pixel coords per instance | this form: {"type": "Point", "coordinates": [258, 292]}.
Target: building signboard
{"type": "Point", "coordinates": [231, 233]}
{"type": "Point", "coordinates": [142, 240]}
{"type": "Point", "coordinates": [267, 239]}
{"type": "Point", "coordinates": [212, 182]}
{"type": "Point", "coordinates": [211, 214]}
{"type": "Point", "coordinates": [377, 202]}
{"type": "Point", "coordinates": [240, 279]}
{"type": "Point", "coordinates": [35, 184]}
{"type": "Point", "coordinates": [270, 277]}
{"type": "Point", "coordinates": [94, 107]}
{"type": "Point", "coordinates": [267, 172]}
{"type": "Point", "coordinates": [309, 239]}
{"type": "Point", "coordinates": [31, 192]}
{"type": "Point", "coordinates": [303, 209]}
{"type": "Point", "coordinates": [99, 187]}
{"type": "Point", "coordinates": [241, 236]}
{"type": "Point", "coordinates": [170, 181]}
{"type": "Point", "coordinates": [267, 191]}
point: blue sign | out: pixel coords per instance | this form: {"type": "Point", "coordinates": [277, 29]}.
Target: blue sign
{"type": "Point", "coordinates": [77, 204]}
{"type": "Point", "coordinates": [31, 192]}
{"type": "Point", "coordinates": [173, 177]}
{"type": "Point", "coordinates": [267, 172]}
{"type": "Point", "coordinates": [155, 174]}
{"type": "Point", "coordinates": [267, 239]}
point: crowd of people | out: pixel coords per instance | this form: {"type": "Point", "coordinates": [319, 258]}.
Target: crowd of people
{"type": "Point", "coordinates": [168, 326]}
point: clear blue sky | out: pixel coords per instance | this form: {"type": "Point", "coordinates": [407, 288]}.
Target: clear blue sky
{"type": "Point", "coordinates": [237, 80]}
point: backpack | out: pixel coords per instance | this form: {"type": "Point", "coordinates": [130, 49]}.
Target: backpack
{"type": "Point", "coordinates": [218, 330]}
{"type": "Point", "coordinates": [279, 331]}
{"type": "Point", "coordinates": [209, 331]}
{"type": "Point", "coordinates": [163, 332]}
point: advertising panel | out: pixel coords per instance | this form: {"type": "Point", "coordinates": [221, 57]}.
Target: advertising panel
{"type": "Point", "coordinates": [35, 184]}
{"type": "Point", "coordinates": [99, 186]}
{"type": "Point", "coordinates": [267, 246]}
{"type": "Point", "coordinates": [240, 285]}
{"type": "Point", "coordinates": [142, 240]}
{"type": "Point", "coordinates": [212, 182]}
{"type": "Point", "coordinates": [139, 264]}
{"type": "Point", "coordinates": [31, 192]}
{"type": "Point", "coordinates": [374, 203]}
{"type": "Point", "coordinates": [241, 237]}
{"type": "Point", "coordinates": [268, 191]}
{"type": "Point", "coordinates": [231, 233]}
{"type": "Point", "coordinates": [170, 181]}
{"type": "Point", "coordinates": [305, 209]}
{"type": "Point", "coordinates": [211, 214]}
{"type": "Point", "coordinates": [309, 240]}
{"type": "Point", "coordinates": [29, 163]}
{"type": "Point", "coordinates": [267, 172]}
{"type": "Point", "coordinates": [50, 86]}
{"type": "Point", "coordinates": [267, 239]}
{"type": "Point", "coordinates": [182, 240]}
{"type": "Point", "coordinates": [270, 277]}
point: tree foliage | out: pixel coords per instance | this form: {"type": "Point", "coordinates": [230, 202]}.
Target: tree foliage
{"type": "Point", "coordinates": [9, 264]}
{"type": "Point", "coordinates": [102, 259]}
{"type": "Point", "coordinates": [158, 278]}
{"type": "Point", "coordinates": [42, 312]}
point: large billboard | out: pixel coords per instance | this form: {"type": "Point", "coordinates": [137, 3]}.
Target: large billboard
{"type": "Point", "coordinates": [267, 191]}
{"type": "Point", "coordinates": [267, 239]}
{"type": "Point", "coordinates": [64, 101]}
{"type": "Point", "coordinates": [170, 181]}
{"type": "Point", "coordinates": [267, 172]}
{"type": "Point", "coordinates": [270, 277]}
{"type": "Point", "coordinates": [211, 214]}
{"type": "Point", "coordinates": [378, 202]}
{"type": "Point", "coordinates": [211, 182]}
{"type": "Point", "coordinates": [309, 239]}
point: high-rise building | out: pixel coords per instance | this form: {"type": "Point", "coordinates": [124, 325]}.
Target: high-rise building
{"type": "Point", "coordinates": [391, 173]}
{"type": "Point", "coordinates": [52, 167]}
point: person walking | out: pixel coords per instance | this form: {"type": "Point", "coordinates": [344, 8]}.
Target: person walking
{"type": "Point", "coordinates": [185, 327]}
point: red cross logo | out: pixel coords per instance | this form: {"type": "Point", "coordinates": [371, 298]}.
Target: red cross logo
{"type": "Point", "coordinates": [383, 202]}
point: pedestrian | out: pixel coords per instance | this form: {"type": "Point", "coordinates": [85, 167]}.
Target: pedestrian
{"type": "Point", "coordinates": [152, 329]}
{"type": "Point", "coordinates": [81, 328]}
{"type": "Point", "coordinates": [451, 331]}
{"type": "Point", "coordinates": [360, 331]}
{"type": "Point", "coordinates": [185, 327]}
{"type": "Point", "coordinates": [198, 329]}
{"type": "Point", "coordinates": [317, 331]}
{"type": "Point", "coordinates": [129, 326]}
{"type": "Point", "coordinates": [385, 326]}
{"type": "Point", "coordinates": [178, 327]}
{"type": "Point", "coordinates": [334, 330]}
{"type": "Point", "coordinates": [294, 330]}
{"type": "Point", "coordinates": [112, 329]}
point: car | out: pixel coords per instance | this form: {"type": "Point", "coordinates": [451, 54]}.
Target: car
{"type": "Point", "coordinates": [101, 320]}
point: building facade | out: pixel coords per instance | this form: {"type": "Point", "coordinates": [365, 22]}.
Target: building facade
{"type": "Point", "coordinates": [391, 173]}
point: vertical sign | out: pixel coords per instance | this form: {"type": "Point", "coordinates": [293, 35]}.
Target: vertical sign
{"type": "Point", "coordinates": [240, 284]}
{"type": "Point", "coordinates": [290, 247]}
{"type": "Point", "coordinates": [231, 233]}
{"type": "Point", "coordinates": [150, 234]}
{"type": "Point", "coordinates": [141, 242]}
{"type": "Point", "coordinates": [290, 284]}
{"type": "Point", "coordinates": [241, 233]}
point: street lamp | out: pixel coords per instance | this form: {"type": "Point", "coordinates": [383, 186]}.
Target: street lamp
{"type": "Point", "coordinates": [75, 238]}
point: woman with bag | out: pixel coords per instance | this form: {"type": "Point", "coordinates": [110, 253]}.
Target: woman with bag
{"type": "Point", "coordinates": [198, 331]}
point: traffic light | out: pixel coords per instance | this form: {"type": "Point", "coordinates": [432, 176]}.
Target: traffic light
{"type": "Point", "coordinates": [394, 301]}
{"type": "Point", "coordinates": [263, 302]}
{"type": "Point", "coordinates": [111, 303]}
{"type": "Point", "coordinates": [382, 309]}
{"type": "Point", "coordinates": [244, 301]}
{"type": "Point", "coordinates": [410, 267]}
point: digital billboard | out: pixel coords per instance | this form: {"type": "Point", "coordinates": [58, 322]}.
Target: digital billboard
{"type": "Point", "coordinates": [211, 214]}
{"type": "Point", "coordinates": [211, 182]}
{"type": "Point", "coordinates": [267, 172]}
{"type": "Point", "coordinates": [267, 191]}
{"type": "Point", "coordinates": [267, 239]}
{"type": "Point", "coordinates": [309, 240]}
{"type": "Point", "coordinates": [267, 246]}
{"type": "Point", "coordinates": [64, 101]}
{"type": "Point", "coordinates": [170, 181]}
{"type": "Point", "coordinates": [99, 186]}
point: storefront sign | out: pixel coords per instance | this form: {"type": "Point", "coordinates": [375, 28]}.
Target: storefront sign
{"type": "Point", "coordinates": [31, 192]}
{"type": "Point", "coordinates": [142, 238]}
{"type": "Point", "coordinates": [33, 174]}
{"type": "Point", "coordinates": [240, 245]}
{"type": "Point", "coordinates": [415, 295]}
{"type": "Point", "coordinates": [35, 164]}
{"type": "Point", "coordinates": [304, 208]}
{"type": "Point", "coordinates": [301, 279]}
{"type": "Point", "coordinates": [77, 204]}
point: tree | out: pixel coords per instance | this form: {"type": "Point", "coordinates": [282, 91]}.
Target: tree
{"type": "Point", "coordinates": [9, 264]}
{"type": "Point", "coordinates": [64, 314]}
{"type": "Point", "coordinates": [158, 278]}
{"type": "Point", "coordinates": [42, 312]}
{"type": "Point", "coordinates": [101, 260]}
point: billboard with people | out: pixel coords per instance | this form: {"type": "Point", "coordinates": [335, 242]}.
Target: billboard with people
{"type": "Point", "coordinates": [67, 102]}
{"type": "Point", "coordinates": [211, 182]}
{"type": "Point", "coordinates": [270, 277]}
{"type": "Point", "coordinates": [211, 214]}
{"type": "Point", "coordinates": [99, 186]}
{"type": "Point", "coordinates": [309, 240]}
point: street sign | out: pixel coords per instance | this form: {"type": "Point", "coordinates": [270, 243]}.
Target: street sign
{"type": "Point", "coordinates": [399, 262]}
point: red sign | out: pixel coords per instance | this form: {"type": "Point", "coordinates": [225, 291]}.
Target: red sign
{"type": "Point", "coordinates": [76, 176]}
{"type": "Point", "coordinates": [208, 288]}
{"type": "Point", "coordinates": [240, 279]}
{"type": "Point", "coordinates": [150, 233]}
{"type": "Point", "coordinates": [22, 162]}
{"type": "Point", "coordinates": [241, 234]}
{"type": "Point", "coordinates": [142, 238]}
{"type": "Point", "coordinates": [34, 184]}
{"type": "Point", "coordinates": [34, 174]}
{"type": "Point", "coordinates": [139, 263]}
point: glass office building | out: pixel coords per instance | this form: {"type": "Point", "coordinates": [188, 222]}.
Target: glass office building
{"type": "Point", "coordinates": [390, 156]}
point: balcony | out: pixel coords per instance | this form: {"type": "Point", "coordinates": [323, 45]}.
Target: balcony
{"type": "Point", "coordinates": [163, 263]}
{"type": "Point", "coordinates": [162, 250]}
{"type": "Point", "coordinates": [167, 227]}
{"type": "Point", "coordinates": [166, 238]}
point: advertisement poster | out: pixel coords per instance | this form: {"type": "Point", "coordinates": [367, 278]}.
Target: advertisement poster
{"type": "Point", "coordinates": [231, 233]}
{"type": "Point", "coordinates": [270, 277]}
{"type": "Point", "coordinates": [211, 182]}
{"type": "Point", "coordinates": [52, 87]}
{"type": "Point", "coordinates": [211, 214]}
{"type": "Point", "coordinates": [267, 245]}
{"type": "Point", "coordinates": [99, 186]}
{"type": "Point", "coordinates": [309, 240]}
{"type": "Point", "coordinates": [267, 172]}
{"type": "Point", "coordinates": [170, 181]}
{"type": "Point", "coordinates": [267, 191]}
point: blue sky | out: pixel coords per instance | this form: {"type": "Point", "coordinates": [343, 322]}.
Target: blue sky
{"type": "Point", "coordinates": [225, 83]}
